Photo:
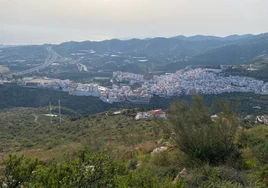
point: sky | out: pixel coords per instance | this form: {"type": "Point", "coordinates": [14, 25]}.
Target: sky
{"type": "Point", "coordinates": [56, 21]}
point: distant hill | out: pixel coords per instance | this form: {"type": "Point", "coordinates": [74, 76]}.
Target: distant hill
{"type": "Point", "coordinates": [240, 51]}
{"type": "Point", "coordinates": [199, 49]}
{"type": "Point", "coordinates": [156, 47]}
{"type": "Point", "coordinates": [147, 55]}
{"type": "Point", "coordinates": [209, 37]}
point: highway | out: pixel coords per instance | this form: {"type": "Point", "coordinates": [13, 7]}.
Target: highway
{"type": "Point", "coordinates": [52, 56]}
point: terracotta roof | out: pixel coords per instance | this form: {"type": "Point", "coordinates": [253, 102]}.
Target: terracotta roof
{"type": "Point", "coordinates": [157, 112]}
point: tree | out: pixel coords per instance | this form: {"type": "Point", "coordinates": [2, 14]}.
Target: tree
{"type": "Point", "coordinates": [200, 137]}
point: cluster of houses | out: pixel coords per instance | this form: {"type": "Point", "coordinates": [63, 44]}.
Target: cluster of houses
{"type": "Point", "coordinates": [187, 81]}
{"type": "Point", "coordinates": [139, 89]}
{"type": "Point", "coordinates": [159, 113]}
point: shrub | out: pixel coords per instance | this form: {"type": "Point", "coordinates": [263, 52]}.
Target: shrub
{"type": "Point", "coordinates": [208, 176]}
{"type": "Point", "coordinates": [255, 140]}
{"type": "Point", "coordinates": [200, 137]}
{"type": "Point", "coordinates": [18, 170]}
{"type": "Point", "coordinates": [140, 179]}
{"type": "Point", "coordinates": [220, 184]}
{"type": "Point", "coordinates": [147, 179]}
{"type": "Point", "coordinates": [249, 139]}
{"type": "Point", "coordinates": [261, 152]}
{"type": "Point", "coordinates": [161, 159]}
{"type": "Point", "coordinates": [263, 175]}
{"type": "Point", "coordinates": [87, 170]}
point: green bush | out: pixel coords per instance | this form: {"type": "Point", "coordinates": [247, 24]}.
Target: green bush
{"type": "Point", "coordinates": [250, 139]}
{"type": "Point", "coordinates": [256, 140]}
{"type": "Point", "coordinates": [139, 179]}
{"type": "Point", "coordinates": [200, 137]}
{"type": "Point", "coordinates": [161, 159]}
{"type": "Point", "coordinates": [261, 152]}
{"type": "Point", "coordinates": [208, 176]}
{"type": "Point", "coordinates": [87, 170]}
{"type": "Point", "coordinates": [18, 170]}
{"type": "Point", "coordinates": [220, 184]}
{"type": "Point", "coordinates": [263, 175]}
{"type": "Point", "coordinates": [147, 179]}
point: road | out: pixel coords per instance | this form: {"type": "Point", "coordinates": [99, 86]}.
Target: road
{"type": "Point", "coordinates": [52, 56]}
{"type": "Point", "coordinates": [82, 67]}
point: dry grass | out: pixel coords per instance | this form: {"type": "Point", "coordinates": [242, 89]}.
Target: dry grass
{"type": "Point", "coordinates": [146, 147]}
{"type": "Point", "coordinates": [57, 153]}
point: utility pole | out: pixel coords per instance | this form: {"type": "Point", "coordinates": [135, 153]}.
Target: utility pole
{"type": "Point", "coordinates": [59, 111]}
{"type": "Point", "coordinates": [50, 114]}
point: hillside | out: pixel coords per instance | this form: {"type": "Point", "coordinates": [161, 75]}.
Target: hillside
{"type": "Point", "coordinates": [181, 51]}
{"type": "Point", "coordinates": [78, 141]}
{"type": "Point", "coordinates": [257, 68]}
{"type": "Point", "coordinates": [29, 128]}
{"type": "Point", "coordinates": [237, 52]}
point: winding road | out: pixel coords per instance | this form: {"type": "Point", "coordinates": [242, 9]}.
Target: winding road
{"type": "Point", "coordinates": [51, 59]}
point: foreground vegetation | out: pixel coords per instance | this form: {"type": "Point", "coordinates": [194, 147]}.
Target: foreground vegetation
{"type": "Point", "coordinates": [100, 150]}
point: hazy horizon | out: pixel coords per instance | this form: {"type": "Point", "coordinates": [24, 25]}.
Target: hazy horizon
{"type": "Point", "coordinates": [18, 44]}
{"type": "Point", "coordinates": [48, 21]}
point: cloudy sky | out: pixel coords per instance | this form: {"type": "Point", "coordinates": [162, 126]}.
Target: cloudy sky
{"type": "Point", "coordinates": [55, 21]}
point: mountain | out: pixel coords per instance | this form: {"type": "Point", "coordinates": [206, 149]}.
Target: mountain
{"type": "Point", "coordinates": [198, 38]}
{"type": "Point", "coordinates": [243, 49]}
{"type": "Point", "coordinates": [151, 47]}
{"type": "Point", "coordinates": [237, 37]}
{"type": "Point", "coordinates": [143, 55]}
{"type": "Point", "coordinates": [177, 49]}
{"type": "Point", "coordinates": [209, 37]}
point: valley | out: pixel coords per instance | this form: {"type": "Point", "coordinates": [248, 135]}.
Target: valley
{"type": "Point", "coordinates": [80, 109]}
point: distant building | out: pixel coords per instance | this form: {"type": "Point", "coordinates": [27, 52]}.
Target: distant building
{"type": "Point", "coordinates": [142, 115]}
{"type": "Point", "coordinates": [150, 114]}
{"type": "Point", "coordinates": [85, 90]}
{"type": "Point", "coordinates": [158, 113]}
{"type": "Point", "coordinates": [214, 117]}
